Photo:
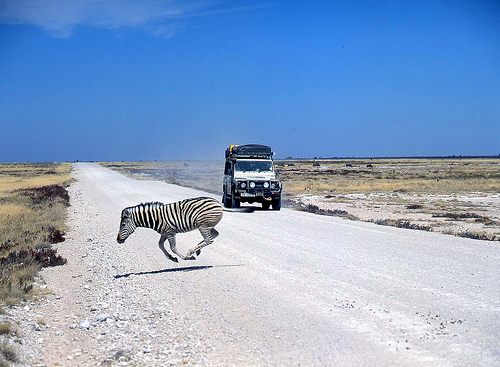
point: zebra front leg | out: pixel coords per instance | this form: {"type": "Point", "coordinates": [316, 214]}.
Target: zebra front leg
{"type": "Point", "coordinates": [209, 234]}
{"type": "Point", "coordinates": [161, 244]}
{"type": "Point", "coordinates": [173, 247]}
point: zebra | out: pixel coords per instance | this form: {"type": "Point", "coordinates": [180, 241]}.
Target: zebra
{"type": "Point", "coordinates": [201, 213]}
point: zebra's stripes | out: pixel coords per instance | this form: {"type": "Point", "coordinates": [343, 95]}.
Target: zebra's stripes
{"type": "Point", "coordinates": [169, 219]}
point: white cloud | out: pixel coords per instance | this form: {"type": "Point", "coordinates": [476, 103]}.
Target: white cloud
{"type": "Point", "coordinates": [60, 17]}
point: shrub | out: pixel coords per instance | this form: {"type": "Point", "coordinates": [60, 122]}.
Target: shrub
{"type": "Point", "coordinates": [8, 354]}
{"type": "Point", "coordinates": [311, 208]}
{"type": "Point", "coordinates": [414, 206]}
{"type": "Point", "coordinates": [31, 220]}
{"type": "Point", "coordinates": [5, 328]}
{"type": "Point", "coordinates": [402, 224]}
{"type": "Point", "coordinates": [478, 236]}
{"type": "Point", "coordinates": [46, 195]}
{"type": "Point", "coordinates": [457, 215]}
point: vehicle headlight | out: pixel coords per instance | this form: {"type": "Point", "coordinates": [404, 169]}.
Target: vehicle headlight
{"type": "Point", "coordinates": [252, 185]}
{"type": "Point", "coordinates": [266, 185]}
{"type": "Point", "coordinates": [275, 185]}
{"type": "Point", "coordinates": [243, 184]}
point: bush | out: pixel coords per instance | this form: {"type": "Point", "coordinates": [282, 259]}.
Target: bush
{"type": "Point", "coordinates": [414, 206]}
{"type": "Point", "coordinates": [46, 195]}
{"type": "Point", "coordinates": [478, 236]}
{"type": "Point", "coordinates": [5, 328]}
{"type": "Point", "coordinates": [8, 354]}
{"type": "Point", "coordinates": [31, 220]}
{"type": "Point", "coordinates": [402, 224]}
{"type": "Point", "coordinates": [311, 208]}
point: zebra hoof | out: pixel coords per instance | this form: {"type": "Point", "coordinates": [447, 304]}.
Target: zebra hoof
{"type": "Point", "coordinates": [198, 253]}
{"type": "Point", "coordinates": [174, 259]}
{"type": "Point", "coordinates": [190, 258]}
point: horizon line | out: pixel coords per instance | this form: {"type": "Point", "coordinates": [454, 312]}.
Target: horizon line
{"type": "Point", "coordinates": [276, 159]}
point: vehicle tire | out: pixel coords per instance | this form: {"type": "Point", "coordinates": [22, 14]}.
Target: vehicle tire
{"type": "Point", "coordinates": [227, 201]}
{"type": "Point", "coordinates": [277, 204]}
{"type": "Point", "coordinates": [265, 205]}
{"type": "Point", "coordinates": [235, 202]}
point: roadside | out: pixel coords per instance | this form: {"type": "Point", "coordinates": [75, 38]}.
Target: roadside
{"type": "Point", "coordinates": [33, 203]}
{"type": "Point", "coordinates": [471, 215]}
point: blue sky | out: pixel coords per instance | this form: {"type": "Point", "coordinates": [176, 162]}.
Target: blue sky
{"type": "Point", "coordinates": [171, 80]}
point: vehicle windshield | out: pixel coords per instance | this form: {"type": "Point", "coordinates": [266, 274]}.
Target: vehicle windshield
{"type": "Point", "coordinates": [257, 166]}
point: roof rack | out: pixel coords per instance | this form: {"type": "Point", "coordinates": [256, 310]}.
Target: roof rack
{"type": "Point", "coordinates": [249, 151]}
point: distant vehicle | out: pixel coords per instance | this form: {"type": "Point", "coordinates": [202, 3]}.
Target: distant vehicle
{"type": "Point", "coordinates": [249, 176]}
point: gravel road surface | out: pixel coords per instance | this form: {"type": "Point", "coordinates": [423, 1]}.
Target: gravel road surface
{"type": "Point", "coordinates": [280, 288]}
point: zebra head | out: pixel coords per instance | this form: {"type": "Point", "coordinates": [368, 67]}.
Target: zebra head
{"type": "Point", "coordinates": [127, 226]}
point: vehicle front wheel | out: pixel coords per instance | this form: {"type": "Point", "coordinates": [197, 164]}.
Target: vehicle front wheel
{"type": "Point", "coordinates": [266, 205]}
{"type": "Point", "coordinates": [235, 202]}
{"type": "Point", "coordinates": [226, 201]}
{"type": "Point", "coordinates": [277, 204]}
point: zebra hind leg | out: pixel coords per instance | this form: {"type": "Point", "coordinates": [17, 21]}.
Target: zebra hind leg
{"type": "Point", "coordinates": [162, 247]}
{"type": "Point", "coordinates": [173, 247]}
{"type": "Point", "coordinates": [213, 234]}
{"type": "Point", "coordinates": [209, 234]}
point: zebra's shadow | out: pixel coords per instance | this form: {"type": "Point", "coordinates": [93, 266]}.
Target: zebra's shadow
{"type": "Point", "coordinates": [173, 270]}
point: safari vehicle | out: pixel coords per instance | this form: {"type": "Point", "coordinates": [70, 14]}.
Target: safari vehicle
{"type": "Point", "coordinates": [249, 177]}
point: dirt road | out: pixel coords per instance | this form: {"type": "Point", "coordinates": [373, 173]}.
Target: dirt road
{"type": "Point", "coordinates": [276, 288]}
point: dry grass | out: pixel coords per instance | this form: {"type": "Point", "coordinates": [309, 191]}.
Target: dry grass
{"type": "Point", "coordinates": [16, 176]}
{"type": "Point", "coordinates": [33, 202]}
{"type": "Point", "coordinates": [7, 355]}
{"type": "Point", "coordinates": [437, 176]}
{"type": "Point", "coordinates": [5, 328]}
{"type": "Point", "coordinates": [455, 196]}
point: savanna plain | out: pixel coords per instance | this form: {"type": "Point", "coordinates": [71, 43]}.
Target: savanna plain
{"type": "Point", "coordinates": [455, 196]}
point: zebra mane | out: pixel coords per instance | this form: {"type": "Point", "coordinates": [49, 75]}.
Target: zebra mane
{"type": "Point", "coordinates": [151, 205]}
{"type": "Point", "coordinates": [146, 206]}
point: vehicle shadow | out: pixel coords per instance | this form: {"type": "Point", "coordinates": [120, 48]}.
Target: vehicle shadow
{"type": "Point", "coordinates": [173, 270]}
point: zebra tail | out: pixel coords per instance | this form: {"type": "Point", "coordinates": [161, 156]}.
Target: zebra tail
{"type": "Point", "coordinates": [239, 210]}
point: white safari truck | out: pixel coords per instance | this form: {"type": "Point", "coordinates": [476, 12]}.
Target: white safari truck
{"type": "Point", "coordinates": [249, 176]}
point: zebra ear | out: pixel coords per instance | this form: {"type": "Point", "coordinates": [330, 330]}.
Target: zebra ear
{"type": "Point", "coordinates": [125, 213]}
